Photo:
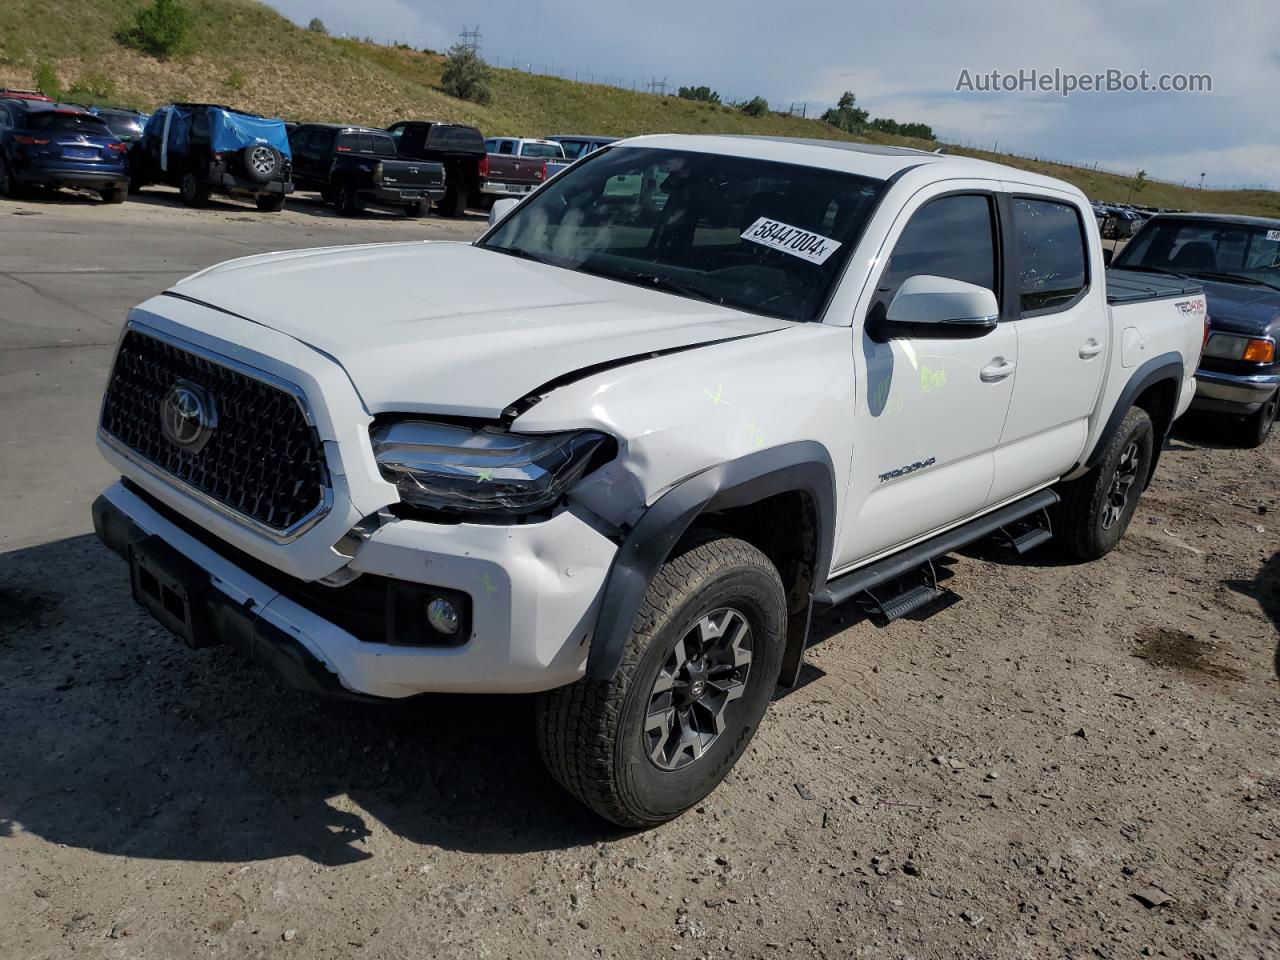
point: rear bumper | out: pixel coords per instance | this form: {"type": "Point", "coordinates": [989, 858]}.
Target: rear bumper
{"type": "Point", "coordinates": [90, 179]}
{"type": "Point", "coordinates": [496, 188]}
{"type": "Point", "coordinates": [230, 183]}
{"type": "Point", "coordinates": [1232, 392]}
{"type": "Point", "coordinates": [399, 197]}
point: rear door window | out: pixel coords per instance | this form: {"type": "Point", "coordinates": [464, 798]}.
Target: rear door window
{"type": "Point", "coordinates": [1052, 265]}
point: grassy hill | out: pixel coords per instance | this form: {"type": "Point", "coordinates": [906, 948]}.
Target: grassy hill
{"type": "Point", "coordinates": [244, 53]}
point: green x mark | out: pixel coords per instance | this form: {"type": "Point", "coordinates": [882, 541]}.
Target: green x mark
{"type": "Point", "coordinates": [486, 474]}
{"type": "Point", "coordinates": [718, 396]}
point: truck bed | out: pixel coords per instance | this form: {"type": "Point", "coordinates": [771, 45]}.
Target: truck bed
{"type": "Point", "coordinates": [1132, 286]}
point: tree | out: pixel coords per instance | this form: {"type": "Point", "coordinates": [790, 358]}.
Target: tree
{"type": "Point", "coordinates": [160, 29]}
{"type": "Point", "coordinates": [466, 75]}
{"type": "Point", "coordinates": [755, 107]}
{"type": "Point", "coordinates": [703, 94]}
{"type": "Point", "coordinates": [1137, 184]}
{"type": "Point", "coordinates": [317, 26]}
{"type": "Point", "coordinates": [846, 115]}
{"type": "Point", "coordinates": [46, 79]}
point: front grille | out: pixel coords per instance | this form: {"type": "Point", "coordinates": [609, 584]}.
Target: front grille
{"type": "Point", "coordinates": [262, 460]}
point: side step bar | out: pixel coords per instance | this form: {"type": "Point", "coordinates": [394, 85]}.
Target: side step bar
{"type": "Point", "coordinates": [891, 568]}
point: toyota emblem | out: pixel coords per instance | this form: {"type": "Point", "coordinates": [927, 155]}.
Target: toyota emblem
{"type": "Point", "coordinates": [187, 417]}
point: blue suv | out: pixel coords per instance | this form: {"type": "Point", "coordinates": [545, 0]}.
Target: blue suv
{"type": "Point", "coordinates": [55, 145]}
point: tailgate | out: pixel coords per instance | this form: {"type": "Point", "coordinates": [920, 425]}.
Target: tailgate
{"type": "Point", "coordinates": [412, 174]}
{"type": "Point", "coordinates": [506, 169]}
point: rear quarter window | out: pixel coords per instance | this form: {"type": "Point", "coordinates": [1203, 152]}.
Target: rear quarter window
{"type": "Point", "coordinates": [456, 138]}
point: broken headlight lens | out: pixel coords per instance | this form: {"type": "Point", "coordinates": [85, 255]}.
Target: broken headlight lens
{"type": "Point", "coordinates": [456, 469]}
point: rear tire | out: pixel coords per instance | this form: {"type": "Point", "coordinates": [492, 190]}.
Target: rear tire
{"type": "Point", "coordinates": [1096, 509]}
{"type": "Point", "coordinates": [697, 674]}
{"type": "Point", "coordinates": [194, 192]}
{"type": "Point", "coordinates": [9, 186]}
{"type": "Point", "coordinates": [454, 201]}
{"type": "Point", "coordinates": [347, 201]}
{"type": "Point", "coordinates": [270, 203]}
{"type": "Point", "coordinates": [115, 195]}
{"type": "Point", "coordinates": [1257, 426]}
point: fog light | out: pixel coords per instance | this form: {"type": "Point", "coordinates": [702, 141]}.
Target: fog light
{"type": "Point", "coordinates": [443, 616]}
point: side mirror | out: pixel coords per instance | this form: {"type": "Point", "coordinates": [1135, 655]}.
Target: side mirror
{"type": "Point", "coordinates": [929, 308]}
{"type": "Point", "coordinates": [1107, 256]}
{"type": "Point", "coordinates": [501, 208]}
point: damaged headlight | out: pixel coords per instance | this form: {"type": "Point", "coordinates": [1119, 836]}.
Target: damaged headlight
{"type": "Point", "coordinates": [456, 469]}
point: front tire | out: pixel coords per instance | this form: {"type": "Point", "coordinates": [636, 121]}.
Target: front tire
{"type": "Point", "coordinates": [413, 209]}
{"type": "Point", "coordinates": [1096, 509]}
{"type": "Point", "coordinates": [699, 668]}
{"type": "Point", "coordinates": [1257, 426]}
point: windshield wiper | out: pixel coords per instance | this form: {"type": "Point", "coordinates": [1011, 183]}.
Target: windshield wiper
{"type": "Point", "coordinates": [654, 281]}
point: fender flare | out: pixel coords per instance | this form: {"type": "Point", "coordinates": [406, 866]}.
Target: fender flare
{"type": "Point", "coordinates": [803, 466]}
{"type": "Point", "coordinates": [1167, 366]}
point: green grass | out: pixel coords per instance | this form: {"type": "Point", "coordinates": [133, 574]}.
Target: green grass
{"type": "Point", "coordinates": [245, 53]}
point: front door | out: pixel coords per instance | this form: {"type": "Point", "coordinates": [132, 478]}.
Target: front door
{"type": "Point", "coordinates": [929, 412]}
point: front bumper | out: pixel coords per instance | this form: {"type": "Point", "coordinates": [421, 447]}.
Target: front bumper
{"type": "Point", "coordinates": [535, 590]}
{"type": "Point", "coordinates": [1233, 392]}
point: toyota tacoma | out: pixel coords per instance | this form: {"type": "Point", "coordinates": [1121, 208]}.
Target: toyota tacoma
{"type": "Point", "coordinates": [616, 452]}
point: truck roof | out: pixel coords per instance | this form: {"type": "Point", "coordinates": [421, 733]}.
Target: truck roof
{"type": "Point", "coordinates": [866, 159]}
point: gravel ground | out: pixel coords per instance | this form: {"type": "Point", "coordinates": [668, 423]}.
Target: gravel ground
{"type": "Point", "coordinates": [1069, 761]}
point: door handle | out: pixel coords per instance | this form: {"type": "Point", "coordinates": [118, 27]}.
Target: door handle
{"type": "Point", "coordinates": [996, 370]}
{"type": "Point", "coordinates": [1089, 349]}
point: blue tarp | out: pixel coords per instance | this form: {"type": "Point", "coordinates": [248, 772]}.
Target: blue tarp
{"type": "Point", "coordinates": [228, 130]}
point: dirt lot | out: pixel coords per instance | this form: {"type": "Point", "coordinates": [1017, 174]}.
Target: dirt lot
{"type": "Point", "coordinates": [1071, 761]}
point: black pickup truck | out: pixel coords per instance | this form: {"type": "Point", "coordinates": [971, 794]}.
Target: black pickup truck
{"type": "Point", "coordinates": [352, 167]}
{"type": "Point", "coordinates": [460, 148]}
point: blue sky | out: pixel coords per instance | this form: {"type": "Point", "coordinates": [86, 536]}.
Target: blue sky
{"type": "Point", "coordinates": [903, 61]}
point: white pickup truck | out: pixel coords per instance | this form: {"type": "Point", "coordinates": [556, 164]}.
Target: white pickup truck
{"type": "Point", "coordinates": [616, 451]}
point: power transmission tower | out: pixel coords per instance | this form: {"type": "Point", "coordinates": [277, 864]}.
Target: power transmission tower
{"type": "Point", "coordinates": [658, 86]}
{"type": "Point", "coordinates": [471, 38]}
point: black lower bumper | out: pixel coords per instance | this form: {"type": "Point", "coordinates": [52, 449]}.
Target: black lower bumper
{"type": "Point", "coordinates": [86, 179]}
{"type": "Point", "coordinates": [211, 617]}
{"type": "Point", "coordinates": [397, 197]}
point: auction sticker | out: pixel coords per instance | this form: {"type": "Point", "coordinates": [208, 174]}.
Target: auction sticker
{"type": "Point", "coordinates": [1273, 234]}
{"type": "Point", "coordinates": [813, 247]}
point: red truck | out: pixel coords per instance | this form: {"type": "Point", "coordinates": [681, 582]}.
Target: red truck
{"type": "Point", "coordinates": [515, 166]}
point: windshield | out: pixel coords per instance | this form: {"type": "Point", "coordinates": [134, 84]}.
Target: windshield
{"type": "Point", "coordinates": [59, 122]}
{"type": "Point", "coordinates": [1211, 249]}
{"type": "Point", "coordinates": [760, 236]}
{"type": "Point", "coordinates": [548, 150]}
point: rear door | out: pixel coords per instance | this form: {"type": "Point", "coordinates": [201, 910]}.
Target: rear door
{"type": "Point", "coordinates": [1061, 319]}
{"type": "Point", "coordinates": [929, 411]}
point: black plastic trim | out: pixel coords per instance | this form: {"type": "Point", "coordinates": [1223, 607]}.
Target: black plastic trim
{"type": "Point", "coordinates": [1167, 366]}
{"type": "Point", "coordinates": [803, 466]}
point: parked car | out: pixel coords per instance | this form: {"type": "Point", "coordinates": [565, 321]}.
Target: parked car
{"type": "Point", "coordinates": [516, 166]}
{"type": "Point", "coordinates": [15, 93]}
{"type": "Point", "coordinates": [605, 457]}
{"type": "Point", "coordinates": [576, 145]}
{"type": "Point", "coordinates": [1237, 259]}
{"type": "Point", "coordinates": [125, 124]}
{"type": "Point", "coordinates": [352, 167]}
{"type": "Point", "coordinates": [460, 148]}
{"type": "Point", "coordinates": [204, 148]}
{"type": "Point", "coordinates": [53, 145]}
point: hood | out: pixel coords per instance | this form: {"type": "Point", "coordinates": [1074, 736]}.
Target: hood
{"type": "Point", "coordinates": [1242, 308]}
{"type": "Point", "coordinates": [455, 329]}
